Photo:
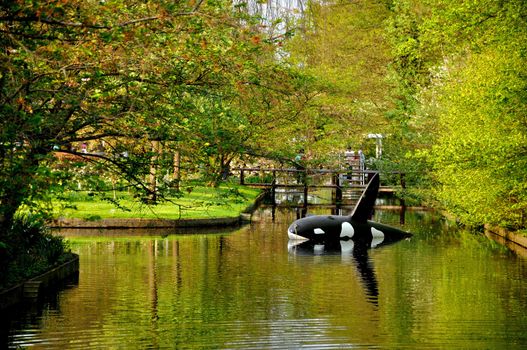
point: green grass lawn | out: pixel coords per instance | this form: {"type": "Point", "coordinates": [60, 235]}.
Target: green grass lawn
{"type": "Point", "coordinates": [202, 202]}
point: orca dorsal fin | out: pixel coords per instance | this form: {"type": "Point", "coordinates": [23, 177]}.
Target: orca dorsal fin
{"type": "Point", "coordinates": [364, 207]}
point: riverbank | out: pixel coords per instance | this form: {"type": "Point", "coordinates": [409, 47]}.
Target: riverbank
{"type": "Point", "coordinates": [161, 216]}
{"type": "Point", "coordinates": [240, 213]}
{"type": "Point", "coordinates": [512, 240]}
{"type": "Point", "coordinates": [515, 241]}
{"type": "Point", "coordinates": [140, 223]}
{"type": "Point", "coordinates": [193, 202]}
{"type": "Point", "coordinates": [32, 289]}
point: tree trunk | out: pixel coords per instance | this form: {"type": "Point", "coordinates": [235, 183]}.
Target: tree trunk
{"type": "Point", "coordinates": [156, 149]}
{"type": "Point", "coordinates": [19, 187]}
{"type": "Point", "coordinates": [177, 170]}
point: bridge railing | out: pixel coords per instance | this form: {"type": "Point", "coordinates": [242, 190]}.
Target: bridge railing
{"type": "Point", "coordinates": [340, 178]}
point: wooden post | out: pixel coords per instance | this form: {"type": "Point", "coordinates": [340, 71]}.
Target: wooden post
{"type": "Point", "coordinates": [338, 189]}
{"type": "Point", "coordinates": [402, 213]}
{"type": "Point", "coordinates": [334, 180]}
{"type": "Point", "coordinates": [402, 201]}
{"type": "Point", "coordinates": [273, 193]}
{"type": "Point", "coordinates": [305, 189]}
{"type": "Point", "coordinates": [261, 175]}
{"type": "Point", "coordinates": [242, 177]}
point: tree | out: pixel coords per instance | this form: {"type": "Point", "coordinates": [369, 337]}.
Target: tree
{"type": "Point", "coordinates": [342, 45]}
{"type": "Point", "coordinates": [479, 158]}
{"type": "Point", "coordinates": [118, 76]}
{"type": "Point", "coordinates": [463, 103]}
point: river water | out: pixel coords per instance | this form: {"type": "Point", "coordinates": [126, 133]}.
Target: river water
{"type": "Point", "coordinates": [244, 289]}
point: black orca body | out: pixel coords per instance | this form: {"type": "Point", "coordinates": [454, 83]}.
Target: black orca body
{"type": "Point", "coordinates": [357, 227]}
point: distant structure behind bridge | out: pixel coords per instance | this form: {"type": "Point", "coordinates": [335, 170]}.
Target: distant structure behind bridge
{"type": "Point", "coordinates": [355, 162]}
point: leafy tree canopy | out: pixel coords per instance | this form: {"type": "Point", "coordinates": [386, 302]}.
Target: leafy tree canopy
{"type": "Point", "coordinates": [342, 44]}
{"type": "Point", "coordinates": [126, 81]}
{"type": "Point", "coordinates": [462, 67]}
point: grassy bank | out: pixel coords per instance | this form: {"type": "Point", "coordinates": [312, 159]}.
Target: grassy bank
{"type": "Point", "coordinates": [28, 249]}
{"type": "Point", "coordinates": [194, 202]}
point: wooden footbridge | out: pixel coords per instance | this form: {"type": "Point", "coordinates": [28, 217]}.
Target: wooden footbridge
{"type": "Point", "coordinates": [346, 185]}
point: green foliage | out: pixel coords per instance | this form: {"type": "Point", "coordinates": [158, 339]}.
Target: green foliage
{"type": "Point", "coordinates": [342, 45]}
{"type": "Point", "coordinates": [479, 160]}
{"type": "Point", "coordinates": [462, 109]}
{"type": "Point", "coordinates": [27, 250]}
{"type": "Point", "coordinates": [133, 84]}
{"type": "Point", "coordinates": [140, 84]}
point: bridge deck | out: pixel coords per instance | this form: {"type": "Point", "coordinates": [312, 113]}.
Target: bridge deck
{"type": "Point", "coordinates": [383, 189]}
{"type": "Point", "coordinates": [346, 184]}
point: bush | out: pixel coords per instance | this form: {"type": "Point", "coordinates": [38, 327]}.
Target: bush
{"type": "Point", "coordinates": [27, 250]}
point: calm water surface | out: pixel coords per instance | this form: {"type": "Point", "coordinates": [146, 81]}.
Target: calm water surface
{"type": "Point", "coordinates": [442, 289]}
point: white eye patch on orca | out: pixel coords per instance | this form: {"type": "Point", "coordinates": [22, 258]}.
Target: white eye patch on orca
{"type": "Point", "coordinates": [347, 230]}
{"type": "Point", "coordinates": [319, 231]}
{"type": "Point", "coordinates": [376, 233]}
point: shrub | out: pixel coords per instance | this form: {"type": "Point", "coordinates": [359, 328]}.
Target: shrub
{"type": "Point", "coordinates": [27, 250]}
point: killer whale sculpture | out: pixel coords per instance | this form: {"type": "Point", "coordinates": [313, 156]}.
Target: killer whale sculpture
{"type": "Point", "coordinates": [357, 227]}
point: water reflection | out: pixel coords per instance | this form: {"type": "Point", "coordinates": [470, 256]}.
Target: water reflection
{"type": "Point", "coordinates": [29, 315]}
{"type": "Point", "coordinates": [346, 249]}
{"type": "Point", "coordinates": [245, 289]}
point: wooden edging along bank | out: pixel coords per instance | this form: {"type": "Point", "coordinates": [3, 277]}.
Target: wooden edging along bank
{"type": "Point", "coordinates": [31, 289]}
{"type": "Point", "coordinates": [514, 241]}
{"type": "Point", "coordinates": [143, 223]}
